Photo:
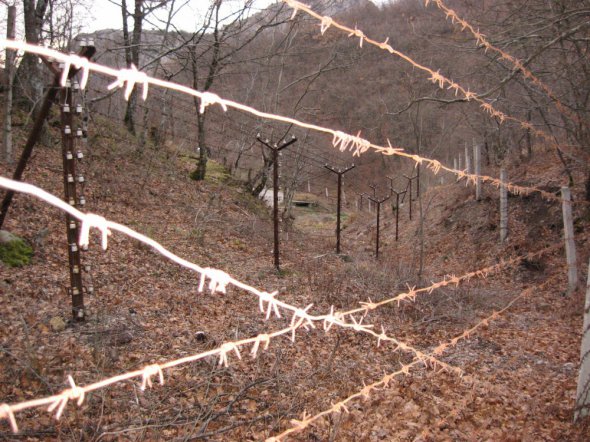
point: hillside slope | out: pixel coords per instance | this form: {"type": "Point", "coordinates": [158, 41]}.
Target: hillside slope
{"type": "Point", "coordinates": [520, 369]}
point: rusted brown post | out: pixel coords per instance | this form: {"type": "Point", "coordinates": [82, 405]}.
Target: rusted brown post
{"type": "Point", "coordinates": [378, 203]}
{"type": "Point", "coordinates": [48, 99]}
{"type": "Point", "coordinates": [275, 148]}
{"type": "Point", "coordinates": [70, 178]}
{"type": "Point", "coordinates": [339, 172]}
{"type": "Point", "coordinates": [418, 181]}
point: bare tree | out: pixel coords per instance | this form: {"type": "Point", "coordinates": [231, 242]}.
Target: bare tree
{"type": "Point", "coordinates": [141, 9]}
{"type": "Point", "coordinates": [29, 76]}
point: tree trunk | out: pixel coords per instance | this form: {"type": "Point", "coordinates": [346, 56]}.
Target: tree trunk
{"type": "Point", "coordinates": [132, 49]}
{"type": "Point", "coordinates": [29, 76]}
{"type": "Point", "coordinates": [7, 135]}
{"type": "Point", "coordinates": [201, 170]}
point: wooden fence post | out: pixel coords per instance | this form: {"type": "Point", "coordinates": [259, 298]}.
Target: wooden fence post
{"type": "Point", "coordinates": [477, 169]}
{"type": "Point", "coordinates": [582, 408]}
{"type": "Point", "coordinates": [467, 160]}
{"type": "Point", "coordinates": [570, 245]}
{"type": "Point", "coordinates": [503, 206]}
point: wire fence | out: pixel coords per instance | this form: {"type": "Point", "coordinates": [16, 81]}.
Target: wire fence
{"type": "Point", "coordinates": [128, 78]}
{"type": "Point", "coordinates": [435, 76]}
{"type": "Point", "coordinates": [217, 281]}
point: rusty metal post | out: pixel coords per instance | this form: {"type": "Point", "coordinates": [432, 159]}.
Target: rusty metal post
{"type": "Point", "coordinates": [378, 203]}
{"type": "Point", "coordinates": [275, 148]}
{"type": "Point", "coordinates": [418, 181]}
{"type": "Point", "coordinates": [339, 172]}
{"type": "Point", "coordinates": [48, 99]}
{"type": "Point", "coordinates": [70, 196]}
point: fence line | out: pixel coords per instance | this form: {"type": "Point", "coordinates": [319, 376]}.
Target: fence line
{"type": "Point", "coordinates": [481, 39]}
{"type": "Point", "coordinates": [341, 406]}
{"type": "Point", "coordinates": [128, 78]}
{"type": "Point", "coordinates": [218, 281]}
{"type": "Point", "coordinates": [435, 76]}
{"type": "Point", "coordinates": [413, 292]}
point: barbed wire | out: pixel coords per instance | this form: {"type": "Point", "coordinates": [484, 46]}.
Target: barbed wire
{"type": "Point", "coordinates": [342, 406]}
{"type": "Point", "coordinates": [218, 282]}
{"type": "Point", "coordinates": [518, 65]}
{"type": "Point", "coordinates": [435, 76]}
{"type": "Point", "coordinates": [413, 292]}
{"type": "Point", "coordinates": [128, 78]}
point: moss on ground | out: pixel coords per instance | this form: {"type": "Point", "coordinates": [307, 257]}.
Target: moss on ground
{"type": "Point", "coordinates": [215, 173]}
{"type": "Point", "coordinates": [16, 253]}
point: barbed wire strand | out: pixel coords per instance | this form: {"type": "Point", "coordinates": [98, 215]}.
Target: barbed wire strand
{"type": "Point", "coordinates": [218, 283]}
{"type": "Point", "coordinates": [219, 280]}
{"type": "Point", "coordinates": [128, 78]}
{"type": "Point", "coordinates": [435, 76]}
{"type": "Point", "coordinates": [518, 65]}
{"type": "Point", "coordinates": [342, 406]}
{"type": "Point", "coordinates": [413, 292]}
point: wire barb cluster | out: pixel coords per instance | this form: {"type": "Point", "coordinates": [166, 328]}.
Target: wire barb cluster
{"type": "Point", "coordinates": [91, 220]}
{"type": "Point", "coordinates": [128, 78]}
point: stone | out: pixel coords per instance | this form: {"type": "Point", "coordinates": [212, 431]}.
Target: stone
{"type": "Point", "coordinates": [57, 324]}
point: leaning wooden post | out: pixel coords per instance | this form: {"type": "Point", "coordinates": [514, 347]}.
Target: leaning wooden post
{"type": "Point", "coordinates": [582, 408]}
{"type": "Point", "coordinates": [477, 169]}
{"type": "Point", "coordinates": [503, 206]}
{"type": "Point", "coordinates": [570, 245]}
